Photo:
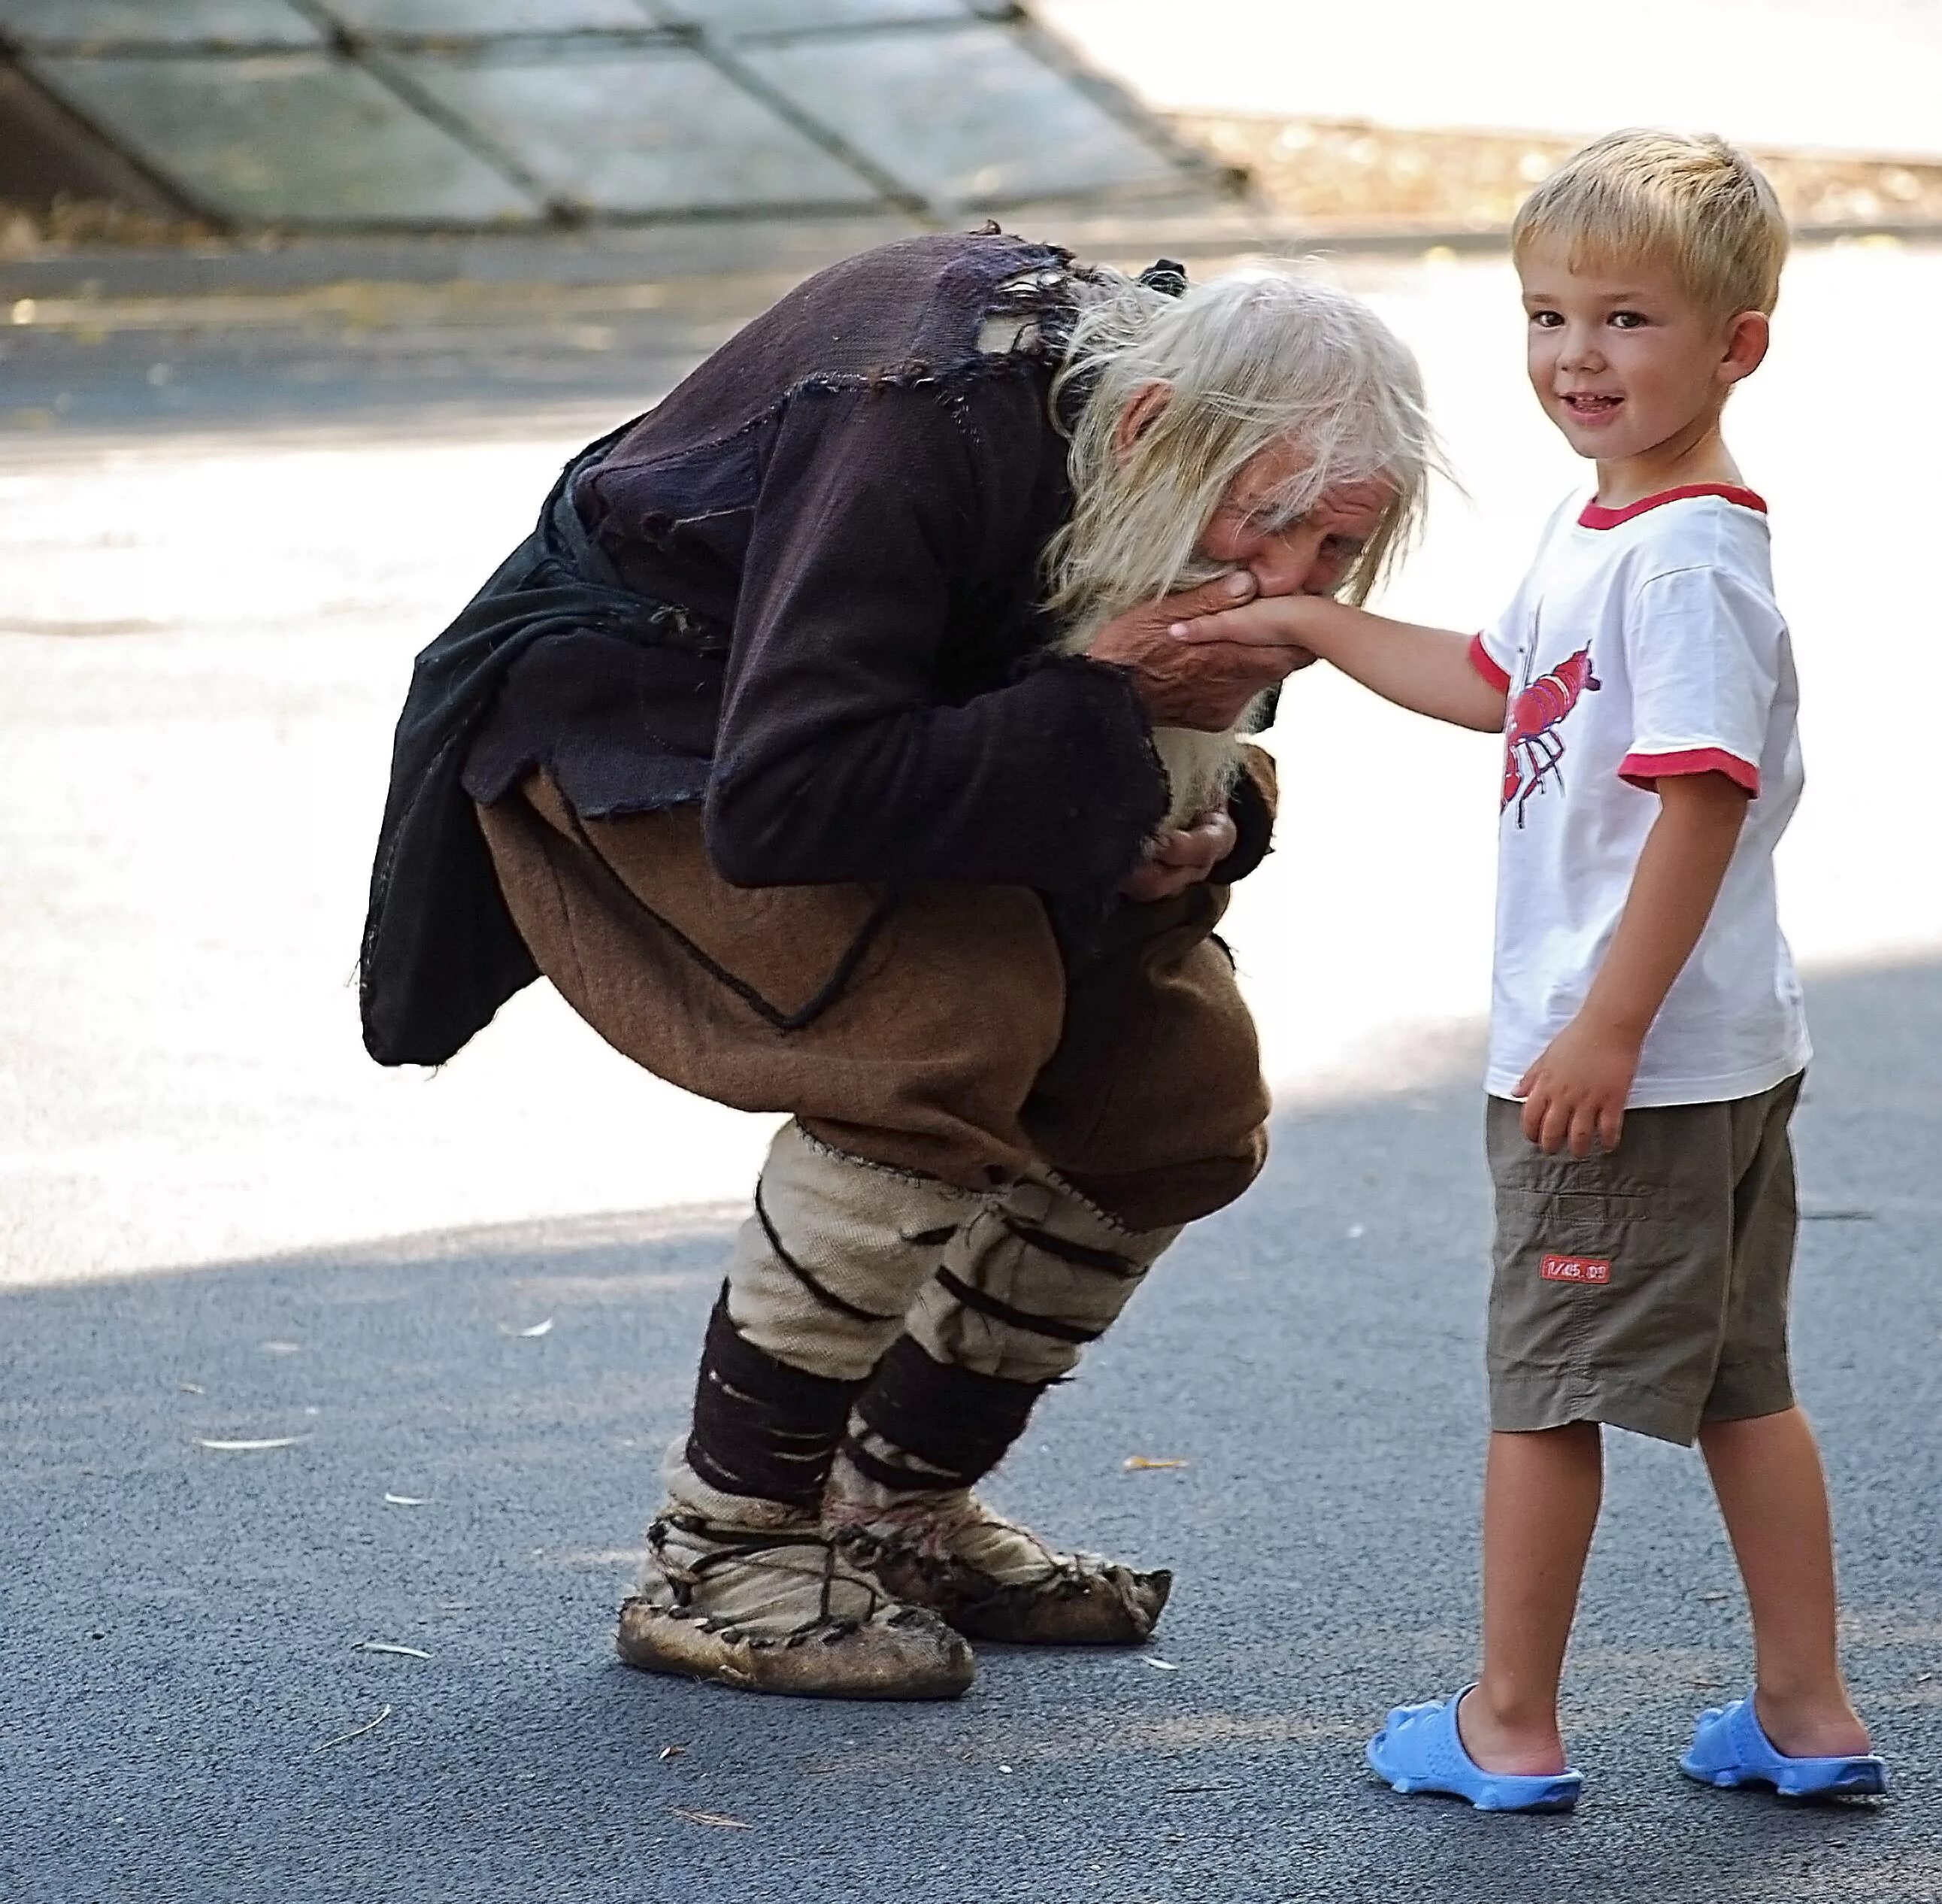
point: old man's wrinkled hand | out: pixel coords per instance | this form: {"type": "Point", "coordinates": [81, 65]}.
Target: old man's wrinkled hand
{"type": "Point", "coordinates": [1207, 685]}
{"type": "Point", "coordinates": [1181, 857]}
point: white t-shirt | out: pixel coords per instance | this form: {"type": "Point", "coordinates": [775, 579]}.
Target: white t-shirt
{"type": "Point", "coordinates": [1645, 642]}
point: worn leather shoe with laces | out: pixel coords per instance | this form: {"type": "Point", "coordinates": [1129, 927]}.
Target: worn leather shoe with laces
{"type": "Point", "coordinates": [987, 1577]}
{"type": "Point", "coordinates": [754, 1594]}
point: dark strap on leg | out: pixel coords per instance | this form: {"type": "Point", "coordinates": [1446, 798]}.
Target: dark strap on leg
{"type": "Point", "coordinates": [959, 1424]}
{"type": "Point", "coordinates": [760, 1426]}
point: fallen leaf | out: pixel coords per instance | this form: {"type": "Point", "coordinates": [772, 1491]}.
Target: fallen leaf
{"type": "Point", "coordinates": [191, 1388]}
{"type": "Point", "coordinates": [669, 1752]}
{"type": "Point", "coordinates": [720, 1820]}
{"type": "Point", "coordinates": [247, 1447]}
{"type": "Point", "coordinates": [386, 1646]}
{"type": "Point", "coordinates": [538, 1329]}
{"type": "Point", "coordinates": [1134, 1464]}
{"type": "Point", "coordinates": [408, 1500]}
{"type": "Point", "coordinates": [1160, 1666]}
{"type": "Point", "coordinates": [344, 1738]}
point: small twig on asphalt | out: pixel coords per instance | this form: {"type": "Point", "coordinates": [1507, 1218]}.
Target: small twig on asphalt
{"type": "Point", "coordinates": [345, 1738]}
{"type": "Point", "coordinates": [386, 1646]}
{"type": "Point", "coordinates": [719, 1819]}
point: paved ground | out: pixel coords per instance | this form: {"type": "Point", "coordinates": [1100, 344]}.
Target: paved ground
{"type": "Point", "coordinates": [180, 1623]}
{"type": "Point", "coordinates": [214, 579]}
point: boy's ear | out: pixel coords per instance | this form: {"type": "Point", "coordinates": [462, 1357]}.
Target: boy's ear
{"type": "Point", "coordinates": [1748, 337]}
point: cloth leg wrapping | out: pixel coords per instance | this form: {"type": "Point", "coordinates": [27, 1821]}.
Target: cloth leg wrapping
{"type": "Point", "coordinates": [1038, 1273]}
{"type": "Point", "coordinates": [821, 1275]}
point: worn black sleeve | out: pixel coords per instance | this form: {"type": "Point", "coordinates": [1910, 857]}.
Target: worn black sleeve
{"type": "Point", "coordinates": [833, 760]}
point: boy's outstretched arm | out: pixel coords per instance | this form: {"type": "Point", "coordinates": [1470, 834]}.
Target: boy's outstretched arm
{"type": "Point", "coordinates": [1428, 670]}
{"type": "Point", "coordinates": [1575, 1094]}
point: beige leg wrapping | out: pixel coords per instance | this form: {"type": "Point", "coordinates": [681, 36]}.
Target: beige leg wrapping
{"type": "Point", "coordinates": [1035, 1275]}
{"type": "Point", "coordinates": [824, 1271]}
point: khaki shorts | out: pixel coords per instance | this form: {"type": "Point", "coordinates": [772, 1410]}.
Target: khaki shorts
{"type": "Point", "coordinates": [1647, 1289]}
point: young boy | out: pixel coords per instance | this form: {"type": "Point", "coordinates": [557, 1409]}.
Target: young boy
{"type": "Point", "coordinates": [1646, 1010]}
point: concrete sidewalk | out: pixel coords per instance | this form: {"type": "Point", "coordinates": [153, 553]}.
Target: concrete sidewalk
{"type": "Point", "coordinates": [182, 1624]}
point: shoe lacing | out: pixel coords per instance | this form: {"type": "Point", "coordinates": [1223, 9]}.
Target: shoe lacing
{"type": "Point", "coordinates": [926, 1531]}
{"type": "Point", "coordinates": [744, 1547]}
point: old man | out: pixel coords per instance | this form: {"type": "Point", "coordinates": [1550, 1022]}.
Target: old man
{"type": "Point", "coordinates": [812, 746]}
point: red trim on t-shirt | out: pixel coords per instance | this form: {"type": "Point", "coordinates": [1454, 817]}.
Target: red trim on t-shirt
{"type": "Point", "coordinates": [1595, 515]}
{"type": "Point", "coordinates": [1481, 660]}
{"type": "Point", "coordinates": [1646, 769]}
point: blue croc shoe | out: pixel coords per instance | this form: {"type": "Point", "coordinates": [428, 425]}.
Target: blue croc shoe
{"type": "Point", "coordinates": [1419, 1750]}
{"type": "Point", "coordinates": [1730, 1748]}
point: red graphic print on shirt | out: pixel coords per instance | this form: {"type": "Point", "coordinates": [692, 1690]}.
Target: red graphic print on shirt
{"type": "Point", "coordinates": [1534, 749]}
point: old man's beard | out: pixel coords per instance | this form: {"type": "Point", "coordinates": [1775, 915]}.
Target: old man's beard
{"type": "Point", "coordinates": [1201, 767]}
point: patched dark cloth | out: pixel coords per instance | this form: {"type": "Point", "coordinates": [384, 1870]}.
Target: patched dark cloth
{"type": "Point", "coordinates": [802, 591]}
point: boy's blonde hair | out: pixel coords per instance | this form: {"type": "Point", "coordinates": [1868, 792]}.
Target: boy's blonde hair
{"type": "Point", "coordinates": [1694, 203]}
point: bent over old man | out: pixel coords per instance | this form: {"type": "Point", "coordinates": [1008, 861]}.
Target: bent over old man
{"type": "Point", "coordinates": [817, 745]}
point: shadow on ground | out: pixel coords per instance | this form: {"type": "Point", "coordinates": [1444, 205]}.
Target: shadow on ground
{"type": "Point", "coordinates": [180, 1622]}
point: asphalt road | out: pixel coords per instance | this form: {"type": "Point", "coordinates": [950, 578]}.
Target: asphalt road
{"type": "Point", "coordinates": [181, 1624]}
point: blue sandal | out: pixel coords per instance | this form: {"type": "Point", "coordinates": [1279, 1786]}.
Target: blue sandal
{"type": "Point", "coordinates": [1730, 1748]}
{"type": "Point", "coordinates": [1419, 1750]}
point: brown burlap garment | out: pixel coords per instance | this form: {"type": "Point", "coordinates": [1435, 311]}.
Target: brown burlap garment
{"type": "Point", "coordinates": [937, 1030]}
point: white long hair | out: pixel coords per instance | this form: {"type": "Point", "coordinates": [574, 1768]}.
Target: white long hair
{"type": "Point", "coordinates": [1251, 360]}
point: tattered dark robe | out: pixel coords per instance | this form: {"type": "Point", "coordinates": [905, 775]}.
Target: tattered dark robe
{"type": "Point", "coordinates": [802, 591]}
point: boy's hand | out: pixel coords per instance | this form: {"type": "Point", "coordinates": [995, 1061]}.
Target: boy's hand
{"type": "Point", "coordinates": [1282, 621]}
{"type": "Point", "coordinates": [1199, 686]}
{"type": "Point", "coordinates": [1575, 1094]}
{"type": "Point", "coordinates": [1428, 670]}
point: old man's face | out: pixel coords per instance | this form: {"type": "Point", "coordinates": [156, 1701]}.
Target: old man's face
{"type": "Point", "coordinates": [1309, 554]}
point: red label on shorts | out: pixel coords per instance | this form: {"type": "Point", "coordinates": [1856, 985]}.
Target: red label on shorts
{"type": "Point", "coordinates": [1576, 1269]}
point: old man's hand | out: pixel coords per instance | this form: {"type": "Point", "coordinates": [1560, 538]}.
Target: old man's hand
{"type": "Point", "coordinates": [1206, 685]}
{"type": "Point", "coordinates": [1182, 857]}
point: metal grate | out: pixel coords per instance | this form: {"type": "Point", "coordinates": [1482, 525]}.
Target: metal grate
{"type": "Point", "coordinates": [436, 113]}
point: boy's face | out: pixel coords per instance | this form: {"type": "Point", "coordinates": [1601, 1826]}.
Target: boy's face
{"type": "Point", "coordinates": [1622, 359]}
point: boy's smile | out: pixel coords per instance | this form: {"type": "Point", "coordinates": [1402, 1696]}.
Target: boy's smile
{"type": "Point", "coordinates": [1630, 368]}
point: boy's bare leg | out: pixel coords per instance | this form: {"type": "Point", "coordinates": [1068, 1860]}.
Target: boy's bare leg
{"type": "Point", "coordinates": [1773, 1496]}
{"type": "Point", "coordinates": [1541, 1491]}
